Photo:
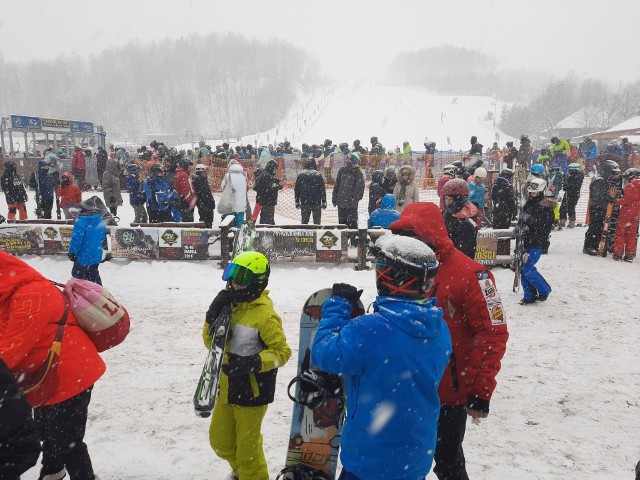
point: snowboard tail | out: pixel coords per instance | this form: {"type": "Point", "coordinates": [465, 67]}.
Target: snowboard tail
{"type": "Point", "coordinates": [608, 217]}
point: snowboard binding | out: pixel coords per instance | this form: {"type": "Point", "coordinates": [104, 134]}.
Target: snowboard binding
{"type": "Point", "coordinates": [316, 388]}
{"type": "Point", "coordinates": [302, 472]}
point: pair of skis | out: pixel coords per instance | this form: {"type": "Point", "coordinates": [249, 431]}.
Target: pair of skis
{"type": "Point", "coordinates": [206, 393]}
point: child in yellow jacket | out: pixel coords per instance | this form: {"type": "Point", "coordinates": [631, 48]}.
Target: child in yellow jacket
{"type": "Point", "coordinates": [256, 347]}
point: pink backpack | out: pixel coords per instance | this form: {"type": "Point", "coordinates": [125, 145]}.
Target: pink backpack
{"type": "Point", "coordinates": [103, 319]}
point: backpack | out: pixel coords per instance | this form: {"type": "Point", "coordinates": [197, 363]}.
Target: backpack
{"type": "Point", "coordinates": [105, 322]}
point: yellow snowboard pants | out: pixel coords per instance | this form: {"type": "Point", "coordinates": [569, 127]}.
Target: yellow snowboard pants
{"type": "Point", "coordinates": [235, 436]}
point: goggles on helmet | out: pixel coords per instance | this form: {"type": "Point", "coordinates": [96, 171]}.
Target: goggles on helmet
{"type": "Point", "coordinates": [238, 274]}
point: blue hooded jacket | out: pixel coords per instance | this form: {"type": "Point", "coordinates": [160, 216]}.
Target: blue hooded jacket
{"type": "Point", "coordinates": [386, 214]}
{"type": "Point", "coordinates": [134, 187]}
{"type": "Point", "coordinates": [86, 239]}
{"type": "Point", "coordinates": [477, 193]}
{"type": "Point", "coordinates": [392, 361]}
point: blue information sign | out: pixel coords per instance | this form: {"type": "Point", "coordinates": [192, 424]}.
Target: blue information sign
{"type": "Point", "coordinates": [81, 127]}
{"type": "Point", "coordinates": [23, 122]}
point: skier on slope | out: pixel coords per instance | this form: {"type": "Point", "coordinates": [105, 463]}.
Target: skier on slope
{"type": "Point", "coordinates": [393, 359]}
{"type": "Point", "coordinates": [537, 216]}
{"type": "Point", "coordinates": [257, 346]}
{"type": "Point", "coordinates": [474, 313]}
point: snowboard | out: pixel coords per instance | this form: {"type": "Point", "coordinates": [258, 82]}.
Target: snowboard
{"type": "Point", "coordinates": [608, 220]}
{"type": "Point", "coordinates": [518, 255]}
{"type": "Point", "coordinates": [318, 409]}
{"type": "Point", "coordinates": [204, 399]}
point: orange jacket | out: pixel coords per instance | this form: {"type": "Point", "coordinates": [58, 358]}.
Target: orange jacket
{"type": "Point", "coordinates": [30, 308]}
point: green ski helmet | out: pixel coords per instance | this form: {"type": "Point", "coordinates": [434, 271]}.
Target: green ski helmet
{"type": "Point", "coordinates": [247, 275]}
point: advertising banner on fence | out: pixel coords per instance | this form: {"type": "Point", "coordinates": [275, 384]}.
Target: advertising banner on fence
{"type": "Point", "coordinates": [329, 246]}
{"type": "Point", "coordinates": [284, 243]}
{"type": "Point", "coordinates": [56, 238]}
{"type": "Point", "coordinates": [486, 247]}
{"type": "Point", "coordinates": [21, 239]}
{"type": "Point", "coordinates": [138, 243]}
{"type": "Point", "coordinates": [183, 244]}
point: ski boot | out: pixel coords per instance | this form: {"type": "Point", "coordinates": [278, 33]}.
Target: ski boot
{"type": "Point", "coordinates": [572, 224]}
{"type": "Point", "coordinates": [628, 258]}
{"type": "Point", "coordinates": [561, 224]}
{"type": "Point", "coordinates": [617, 257]}
{"type": "Point", "coordinates": [590, 251]}
{"type": "Point", "coordinates": [528, 302]}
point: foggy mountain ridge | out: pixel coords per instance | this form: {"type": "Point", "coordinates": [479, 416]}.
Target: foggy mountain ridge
{"type": "Point", "coordinates": [226, 86]}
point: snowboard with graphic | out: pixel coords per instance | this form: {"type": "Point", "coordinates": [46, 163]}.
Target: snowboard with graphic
{"type": "Point", "coordinates": [318, 409]}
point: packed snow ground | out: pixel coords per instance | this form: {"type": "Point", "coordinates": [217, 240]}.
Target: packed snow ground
{"type": "Point", "coordinates": [567, 405]}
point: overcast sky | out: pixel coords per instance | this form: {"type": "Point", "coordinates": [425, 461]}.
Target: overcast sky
{"type": "Point", "coordinates": [601, 39]}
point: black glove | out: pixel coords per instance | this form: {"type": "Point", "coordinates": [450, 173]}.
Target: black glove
{"type": "Point", "coordinates": [222, 300]}
{"type": "Point", "coordinates": [525, 218]}
{"type": "Point", "coordinates": [347, 291]}
{"type": "Point", "coordinates": [324, 205]}
{"type": "Point", "coordinates": [334, 204]}
{"type": "Point", "coordinates": [297, 204]}
{"type": "Point", "coordinates": [71, 256]}
{"type": "Point", "coordinates": [237, 365]}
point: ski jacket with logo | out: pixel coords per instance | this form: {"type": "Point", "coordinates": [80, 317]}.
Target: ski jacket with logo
{"type": "Point", "coordinates": [160, 196]}
{"type": "Point", "coordinates": [386, 214]}
{"type": "Point", "coordinates": [89, 231]}
{"type": "Point", "coordinates": [392, 361]}
{"type": "Point", "coordinates": [473, 310]}
{"type": "Point", "coordinates": [349, 187]}
{"type": "Point", "coordinates": [255, 328]}
{"type": "Point", "coordinates": [12, 185]}
{"type": "Point", "coordinates": [30, 309]}
{"type": "Point", "coordinates": [540, 221]}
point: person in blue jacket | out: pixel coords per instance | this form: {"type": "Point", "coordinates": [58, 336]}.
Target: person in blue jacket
{"type": "Point", "coordinates": [137, 197]}
{"type": "Point", "coordinates": [477, 193]}
{"type": "Point", "coordinates": [386, 214]}
{"type": "Point", "coordinates": [87, 238]}
{"type": "Point", "coordinates": [41, 182]}
{"type": "Point", "coordinates": [391, 361]}
{"type": "Point", "coordinates": [161, 198]}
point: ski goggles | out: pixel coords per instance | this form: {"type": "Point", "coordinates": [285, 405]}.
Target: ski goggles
{"type": "Point", "coordinates": [238, 274]}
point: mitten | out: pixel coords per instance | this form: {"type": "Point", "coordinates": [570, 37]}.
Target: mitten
{"type": "Point", "coordinates": [222, 300]}
{"type": "Point", "coordinates": [347, 291]}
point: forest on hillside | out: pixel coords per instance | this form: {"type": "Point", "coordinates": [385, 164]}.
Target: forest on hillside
{"type": "Point", "coordinates": [217, 85]}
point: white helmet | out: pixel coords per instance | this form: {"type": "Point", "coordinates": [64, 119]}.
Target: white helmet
{"type": "Point", "coordinates": [450, 169]}
{"type": "Point", "coordinates": [200, 167]}
{"type": "Point", "coordinates": [536, 185]}
{"type": "Point", "coordinates": [480, 172]}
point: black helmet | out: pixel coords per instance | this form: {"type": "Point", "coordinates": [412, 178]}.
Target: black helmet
{"type": "Point", "coordinates": [555, 140]}
{"type": "Point", "coordinates": [509, 144]}
{"type": "Point", "coordinates": [356, 143]}
{"type": "Point", "coordinates": [404, 266]}
{"type": "Point", "coordinates": [327, 142]}
{"type": "Point", "coordinates": [610, 168]}
{"type": "Point", "coordinates": [629, 174]}
{"type": "Point", "coordinates": [157, 168]}
{"type": "Point", "coordinates": [474, 139]}
{"type": "Point", "coordinates": [374, 140]}
{"type": "Point", "coordinates": [344, 146]}
{"type": "Point", "coordinates": [524, 137]}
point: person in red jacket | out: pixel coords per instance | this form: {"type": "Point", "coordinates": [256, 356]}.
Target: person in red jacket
{"type": "Point", "coordinates": [467, 293]}
{"type": "Point", "coordinates": [70, 196]}
{"type": "Point", "coordinates": [182, 186]}
{"type": "Point", "coordinates": [624, 244]}
{"type": "Point", "coordinates": [79, 166]}
{"type": "Point", "coordinates": [30, 309]}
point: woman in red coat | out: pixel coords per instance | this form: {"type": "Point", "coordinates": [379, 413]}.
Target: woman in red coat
{"type": "Point", "coordinates": [624, 244]}
{"type": "Point", "coordinates": [30, 309]}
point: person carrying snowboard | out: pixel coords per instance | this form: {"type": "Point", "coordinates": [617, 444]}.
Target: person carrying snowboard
{"type": "Point", "coordinates": [257, 346]}
{"type": "Point", "coordinates": [599, 197]}
{"type": "Point", "coordinates": [391, 361]}
{"type": "Point", "coordinates": [41, 182]}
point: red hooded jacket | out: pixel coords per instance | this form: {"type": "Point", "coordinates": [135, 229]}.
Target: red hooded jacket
{"type": "Point", "coordinates": [182, 185]}
{"type": "Point", "coordinates": [30, 308]}
{"type": "Point", "coordinates": [70, 194]}
{"type": "Point", "coordinates": [630, 203]}
{"type": "Point", "coordinates": [77, 161]}
{"type": "Point", "coordinates": [467, 293]}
